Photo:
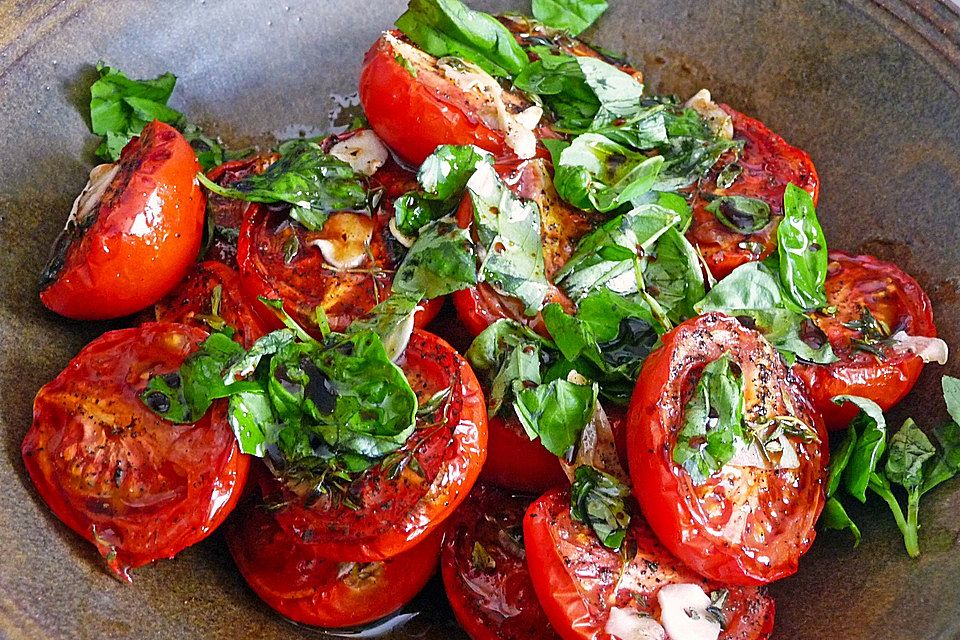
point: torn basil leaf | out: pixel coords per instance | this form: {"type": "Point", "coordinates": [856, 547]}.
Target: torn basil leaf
{"type": "Point", "coordinates": [802, 250]}
{"type": "Point", "coordinates": [835, 517]}
{"type": "Point", "coordinates": [869, 442]}
{"type": "Point", "coordinates": [573, 16]}
{"type": "Point", "coordinates": [450, 28]}
{"type": "Point", "coordinates": [740, 213]}
{"type": "Point", "coordinates": [508, 230]}
{"type": "Point", "coordinates": [712, 422]}
{"type": "Point", "coordinates": [556, 412]}
{"type": "Point", "coordinates": [441, 261]}
{"type": "Point", "coordinates": [314, 183]}
{"type": "Point", "coordinates": [392, 320]}
{"type": "Point", "coordinates": [443, 178]}
{"type": "Point", "coordinates": [598, 499]}
{"type": "Point", "coordinates": [673, 277]}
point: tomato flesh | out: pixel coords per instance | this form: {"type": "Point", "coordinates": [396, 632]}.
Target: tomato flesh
{"type": "Point", "coordinates": [855, 283]}
{"type": "Point", "coordinates": [485, 570]}
{"type": "Point", "coordinates": [579, 581]}
{"type": "Point", "coordinates": [192, 303]}
{"type": "Point", "coordinates": [229, 213]}
{"type": "Point", "coordinates": [744, 524]}
{"type": "Point", "coordinates": [135, 485]}
{"type": "Point", "coordinates": [300, 585]}
{"type": "Point", "coordinates": [415, 489]}
{"type": "Point", "coordinates": [132, 246]}
{"type": "Point", "coordinates": [769, 164]}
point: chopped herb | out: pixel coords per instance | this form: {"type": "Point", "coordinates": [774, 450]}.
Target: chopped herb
{"type": "Point", "coordinates": [480, 560]}
{"type": "Point", "coordinates": [598, 499]}
{"type": "Point", "coordinates": [441, 261]}
{"type": "Point", "coordinates": [406, 64]}
{"type": "Point", "coordinates": [740, 214]}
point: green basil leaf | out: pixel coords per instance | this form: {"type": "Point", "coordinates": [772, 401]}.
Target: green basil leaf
{"type": "Point", "coordinates": [595, 173]}
{"type": "Point", "coordinates": [313, 182]}
{"type": "Point", "coordinates": [870, 428]}
{"type": "Point", "coordinates": [574, 16]}
{"type": "Point", "coordinates": [508, 230]}
{"type": "Point", "coordinates": [673, 276]}
{"type": "Point", "coordinates": [951, 395]}
{"type": "Point", "coordinates": [443, 178]}
{"type": "Point", "coordinates": [598, 499]}
{"type": "Point", "coordinates": [712, 422]}
{"type": "Point", "coordinates": [740, 213]}
{"type": "Point", "coordinates": [839, 460]}
{"type": "Point", "coordinates": [441, 261]}
{"type": "Point", "coordinates": [506, 356]}
{"type": "Point", "coordinates": [910, 448]}
{"type": "Point", "coordinates": [691, 150]}
{"type": "Point", "coordinates": [802, 250]}
{"type": "Point", "coordinates": [835, 517]}
{"type": "Point", "coordinates": [392, 320]}
{"type": "Point", "coordinates": [556, 412]}
{"type": "Point", "coordinates": [947, 463]}
{"type": "Point", "coordinates": [450, 28]}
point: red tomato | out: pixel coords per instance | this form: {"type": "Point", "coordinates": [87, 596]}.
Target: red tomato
{"type": "Point", "coordinates": [280, 259]}
{"type": "Point", "coordinates": [133, 232]}
{"type": "Point", "coordinates": [192, 303]}
{"type": "Point", "coordinates": [579, 581]}
{"type": "Point", "coordinates": [402, 90]}
{"type": "Point", "coordinates": [228, 213]}
{"type": "Point", "coordinates": [745, 524]}
{"type": "Point", "coordinates": [855, 284]}
{"type": "Point", "coordinates": [561, 227]}
{"type": "Point", "coordinates": [413, 490]}
{"type": "Point", "coordinates": [516, 462]}
{"type": "Point", "coordinates": [485, 570]}
{"type": "Point", "coordinates": [769, 164]}
{"type": "Point", "coordinates": [138, 487]}
{"type": "Point", "coordinates": [300, 585]}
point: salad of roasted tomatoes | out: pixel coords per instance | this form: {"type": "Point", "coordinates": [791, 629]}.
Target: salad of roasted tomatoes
{"type": "Point", "coordinates": [667, 381]}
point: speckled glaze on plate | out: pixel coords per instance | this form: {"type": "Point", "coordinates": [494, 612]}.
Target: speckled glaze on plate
{"type": "Point", "coordinates": [869, 88]}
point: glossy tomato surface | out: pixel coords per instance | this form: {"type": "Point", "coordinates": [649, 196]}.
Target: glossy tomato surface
{"type": "Point", "coordinates": [280, 259]}
{"type": "Point", "coordinates": [411, 492]}
{"type": "Point", "coordinates": [228, 213]}
{"type": "Point", "coordinates": [210, 297]}
{"type": "Point", "coordinates": [579, 581]}
{"type": "Point", "coordinates": [868, 366]}
{"type": "Point", "coordinates": [516, 462]}
{"type": "Point", "coordinates": [744, 524]}
{"type": "Point", "coordinates": [768, 165]}
{"type": "Point", "coordinates": [561, 226]}
{"type": "Point", "coordinates": [300, 585]}
{"type": "Point", "coordinates": [133, 234]}
{"type": "Point", "coordinates": [138, 487]}
{"type": "Point", "coordinates": [485, 569]}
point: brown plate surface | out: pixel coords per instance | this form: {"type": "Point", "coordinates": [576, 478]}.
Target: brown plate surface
{"type": "Point", "coordinates": [869, 88]}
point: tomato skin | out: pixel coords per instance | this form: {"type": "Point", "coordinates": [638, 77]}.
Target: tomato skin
{"type": "Point", "coordinates": [693, 521]}
{"type": "Point", "coordinates": [141, 238]}
{"type": "Point", "coordinates": [301, 586]}
{"type": "Point", "coordinates": [393, 513]}
{"type": "Point", "coordinates": [578, 580]}
{"type": "Point", "coordinates": [397, 103]}
{"type": "Point", "coordinates": [135, 485]}
{"type": "Point", "coordinates": [498, 603]}
{"type": "Point", "coordinates": [193, 298]}
{"type": "Point", "coordinates": [892, 296]}
{"type": "Point", "coordinates": [769, 164]}
{"type": "Point", "coordinates": [228, 214]}
{"type": "Point", "coordinates": [516, 462]}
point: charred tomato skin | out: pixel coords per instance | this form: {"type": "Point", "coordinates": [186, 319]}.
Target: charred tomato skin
{"type": "Point", "coordinates": [412, 492]}
{"type": "Point", "coordinates": [578, 580]}
{"type": "Point", "coordinates": [696, 522]}
{"type": "Point", "coordinates": [138, 487]}
{"type": "Point", "coordinates": [192, 302]}
{"type": "Point", "coordinates": [855, 283]}
{"type": "Point", "coordinates": [768, 165]}
{"type": "Point", "coordinates": [139, 240]}
{"type": "Point", "coordinates": [496, 601]}
{"type": "Point", "coordinates": [300, 585]}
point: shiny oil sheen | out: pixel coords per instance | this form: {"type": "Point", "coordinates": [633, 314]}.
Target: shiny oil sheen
{"type": "Point", "coordinates": [867, 87]}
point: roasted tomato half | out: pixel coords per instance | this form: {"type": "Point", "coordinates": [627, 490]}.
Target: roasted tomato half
{"type": "Point", "coordinates": [763, 170]}
{"type": "Point", "coordinates": [211, 297]}
{"type": "Point", "coordinates": [561, 227]}
{"type": "Point", "coordinates": [346, 268]}
{"type": "Point", "coordinates": [485, 570]}
{"type": "Point", "coordinates": [133, 232]}
{"type": "Point", "coordinates": [416, 102]}
{"type": "Point", "coordinates": [590, 592]}
{"type": "Point", "coordinates": [874, 300]}
{"type": "Point", "coordinates": [306, 588]}
{"type": "Point", "coordinates": [749, 521]}
{"type": "Point", "coordinates": [228, 213]}
{"type": "Point", "coordinates": [138, 487]}
{"type": "Point", "coordinates": [388, 508]}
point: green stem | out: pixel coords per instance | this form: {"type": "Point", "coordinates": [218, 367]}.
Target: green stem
{"type": "Point", "coordinates": [908, 525]}
{"type": "Point", "coordinates": [910, 539]}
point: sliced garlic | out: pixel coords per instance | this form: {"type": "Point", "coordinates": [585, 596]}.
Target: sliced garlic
{"type": "Point", "coordinates": [363, 151]}
{"type": "Point", "coordinates": [627, 624]}
{"type": "Point", "coordinates": [929, 349]}
{"type": "Point", "coordinates": [683, 613]}
{"type": "Point", "coordinates": [719, 120]}
{"type": "Point", "coordinates": [89, 199]}
{"type": "Point", "coordinates": [345, 239]}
